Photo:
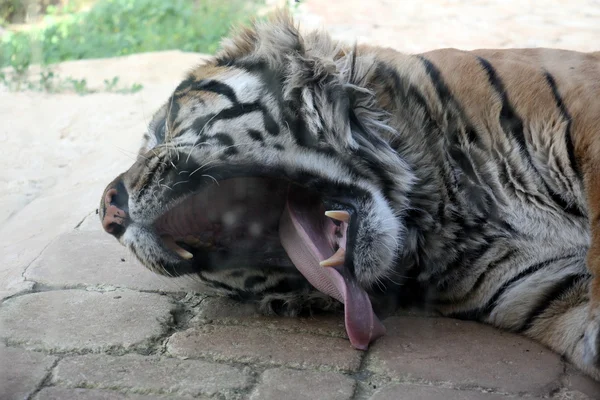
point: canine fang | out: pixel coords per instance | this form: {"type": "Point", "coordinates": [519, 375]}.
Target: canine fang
{"type": "Point", "coordinates": [334, 260]}
{"type": "Point", "coordinates": [343, 216]}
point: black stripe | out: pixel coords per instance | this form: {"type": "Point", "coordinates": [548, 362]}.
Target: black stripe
{"type": "Point", "coordinates": [512, 124]}
{"type": "Point", "coordinates": [369, 147]}
{"type": "Point", "coordinates": [244, 108]}
{"type": "Point", "coordinates": [491, 266]}
{"type": "Point", "coordinates": [237, 110]}
{"type": "Point", "coordinates": [572, 209]}
{"type": "Point", "coordinates": [297, 125]}
{"type": "Point", "coordinates": [447, 99]}
{"type": "Point", "coordinates": [465, 259]}
{"type": "Point", "coordinates": [567, 116]}
{"type": "Point", "coordinates": [216, 87]}
{"type": "Point", "coordinates": [509, 120]}
{"type": "Point", "coordinates": [185, 84]}
{"type": "Point", "coordinates": [481, 312]}
{"type": "Point", "coordinates": [217, 284]}
{"type": "Point", "coordinates": [555, 293]}
{"type": "Point", "coordinates": [225, 140]}
{"type": "Point", "coordinates": [491, 304]}
{"type": "Point", "coordinates": [148, 177]}
{"type": "Point", "coordinates": [270, 124]}
{"type": "Point", "coordinates": [389, 79]}
{"type": "Point", "coordinates": [480, 279]}
{"type": "Point", "coordinates": [199, 124]}
{"type": "Point", "coordinates": [255, 135]}
{"type": "Point", "coordinates": [438, 82]}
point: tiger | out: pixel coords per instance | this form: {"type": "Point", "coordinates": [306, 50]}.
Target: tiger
{"type": "Point", "coordinates": [299, 173]}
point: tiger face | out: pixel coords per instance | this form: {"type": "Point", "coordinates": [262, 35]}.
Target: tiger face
{"type": "Point", "coordinates": [254, 172]}
{"type": "Point", "coordinates": [296, 172]}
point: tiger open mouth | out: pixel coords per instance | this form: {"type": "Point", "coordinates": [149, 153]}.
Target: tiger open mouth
{"type": "Point", "coordinates": [272, 222]}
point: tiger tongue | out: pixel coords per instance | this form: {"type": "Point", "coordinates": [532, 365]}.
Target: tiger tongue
{"type": "Point", "coordinates": [301, 240]}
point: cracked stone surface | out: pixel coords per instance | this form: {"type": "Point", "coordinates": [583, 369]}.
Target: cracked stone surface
{"type": "Point", "coordinates": [576, 381]}
{"type": "Point", "coordinates": [413, 392]}
{"type": "Point", "coordinates": [300, 385]}
{"type": "Point", "coordinates": [148, 346]}
{"type": "Point", "coordinates": [263, 345]}
{"type": "Point", "coordinates": [71, 261]}
{"type": "Point", "coordinates": [228, 311]}
{"type": "Point", "coordinates": [79, 320]}
{"type": "Point", "coordinates": [21, 372]}
{"type": "Point", "coordinates": [427, 349]}
{"type": "Point", "coordinates": [155, 375]}
{"type": "Point", "coordinates": [58, 393]}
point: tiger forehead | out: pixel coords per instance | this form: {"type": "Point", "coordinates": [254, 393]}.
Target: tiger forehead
{"type": "Point", "coordinates": [208, 71]}
{"type": "Point", "coordinates": [206, 81]}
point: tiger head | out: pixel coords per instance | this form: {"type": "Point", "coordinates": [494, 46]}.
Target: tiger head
{"type": "Point", "coordinates": [269, 158]}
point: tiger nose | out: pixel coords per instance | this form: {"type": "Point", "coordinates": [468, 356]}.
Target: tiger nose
{"type": "Point", "coordinates": [116, 218]}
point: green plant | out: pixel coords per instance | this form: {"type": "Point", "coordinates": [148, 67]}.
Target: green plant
{"type": "Point", "coordinates": [50, 82]}
{"type": "Point", "coordinates": [79, 85]}
{"type": "Point", "coordinates": [136, 87]}
{"type": "Point", "coordinates": [120, 27]}
{"type": "Point", "coordinates": [111, 85]}
{"type": "Point", "coordinates": [46, 82]}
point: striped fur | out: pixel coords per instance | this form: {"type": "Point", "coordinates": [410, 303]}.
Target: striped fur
{"type": "Point", "coordinates": [477, 174]}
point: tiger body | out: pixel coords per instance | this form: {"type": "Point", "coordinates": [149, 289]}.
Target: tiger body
{"type": "Point", "coordinates": [473, 175]}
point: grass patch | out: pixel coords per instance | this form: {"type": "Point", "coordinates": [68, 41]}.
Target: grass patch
{"type": "Point", "coordinates": [121, 27]}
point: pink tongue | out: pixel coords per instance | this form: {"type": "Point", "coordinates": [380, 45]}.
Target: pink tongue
{"type": "Point", "coordinates": [362, 325]}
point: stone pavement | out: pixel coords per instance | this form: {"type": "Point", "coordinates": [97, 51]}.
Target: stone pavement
{"type": "Point", "coordinates": [97, 325]}
{"type": "Point", "coordinates": [80, 319]}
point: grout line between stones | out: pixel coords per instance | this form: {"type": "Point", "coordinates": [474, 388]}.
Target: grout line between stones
{"type": "Point", "coordinates": [84, 218]}
{"type": "Point", "coordinates": [36, 258]}
{"type": "Point", "coordinates": [46, 380]}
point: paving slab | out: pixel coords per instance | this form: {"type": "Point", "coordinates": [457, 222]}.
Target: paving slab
{"type": "Point", "coordinates": [248, 344]}
{"type": "Point", "coordinates": [223, 310]}
{"type": "Point", "coordinates": [576, 380]}
{"type": "Point", "coordinates": [464, 353]}
{"type": "Point", "coordinates": [152, 375]}
{"type": "Point", "coordinates": [59, 393]}
{"type": "Point", "coordinates": [79, 320]}
{"type": "Point", "coordinates": [54, 166]}
{"type": "Point", "coordinates": [24, 238]}
{"type": "Point", "coordinates": [96, 258]}
{"type": "Point", "coordinates": [566, 394]}
{"type": "Point", "coordinates": [414, 392]}
{"type": "Point", "coordinates": [289, 384]}
{"type": "Point", "coordinates": [21, 372]}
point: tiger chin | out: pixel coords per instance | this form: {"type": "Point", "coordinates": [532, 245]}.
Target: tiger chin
{"type": "Point", "coordinates": [300, 173]}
